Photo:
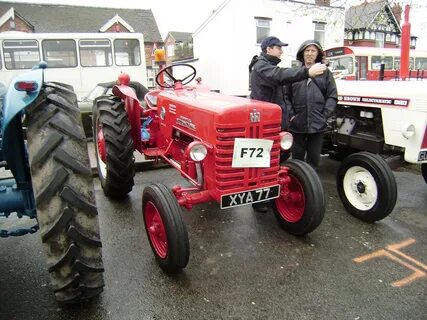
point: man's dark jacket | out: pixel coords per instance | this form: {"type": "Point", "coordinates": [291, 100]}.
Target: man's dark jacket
{"type": "Point", "coordinates": [311, 103]}
{"type": "Point", "coordinates": [268, 80]}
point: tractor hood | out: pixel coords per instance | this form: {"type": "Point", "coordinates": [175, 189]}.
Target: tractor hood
{"type": "Point", "coordinates": [202, 113]}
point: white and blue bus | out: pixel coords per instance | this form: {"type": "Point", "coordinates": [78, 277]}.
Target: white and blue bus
{"type": "Point", "coordinates": [79, 59]}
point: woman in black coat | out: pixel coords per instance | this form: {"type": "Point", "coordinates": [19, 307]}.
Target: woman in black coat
{"type": "Point", "coordinates": [310, 102]}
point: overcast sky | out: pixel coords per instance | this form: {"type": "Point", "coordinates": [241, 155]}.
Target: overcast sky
{"type": "Point", "coordinates": [187, 15]}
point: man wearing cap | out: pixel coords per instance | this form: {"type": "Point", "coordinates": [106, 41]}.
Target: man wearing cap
{"type": "Point", "coordinates": [311, 102]}
{"type": "Point", "coordinates": [268, 80]}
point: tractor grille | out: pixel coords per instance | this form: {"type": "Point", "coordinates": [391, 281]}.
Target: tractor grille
{"type": "Point", "coordinates": [228, 178]}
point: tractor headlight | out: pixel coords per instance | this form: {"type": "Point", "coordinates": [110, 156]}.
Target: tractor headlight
{"type": "Point", "coordinates": [197, 151]}
{"type": "Point", "coordinates": [409, 131]}
{"type": "Point", "coordinates": [286, 140]}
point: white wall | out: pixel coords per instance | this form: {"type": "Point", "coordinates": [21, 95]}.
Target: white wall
{"type": "Point", "coordinates": [225, 43]}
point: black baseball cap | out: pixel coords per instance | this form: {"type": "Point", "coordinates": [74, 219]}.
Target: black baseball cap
{"type": "Point", "coordinates": [272, 41]}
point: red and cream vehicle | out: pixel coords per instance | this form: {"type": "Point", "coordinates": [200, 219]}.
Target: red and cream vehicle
{"type": "Point", "coordinates": [378, 118]}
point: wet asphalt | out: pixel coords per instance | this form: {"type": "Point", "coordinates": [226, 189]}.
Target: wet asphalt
{"type": "Point", "coordinates": [242, 264]}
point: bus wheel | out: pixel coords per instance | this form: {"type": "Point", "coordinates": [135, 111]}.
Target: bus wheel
{"type": "Point", "coordinates": [366, 186]}
{"type": "Point", "coordinates": [165, 229]}
{"type": "Point", "coordinates": [113, 147]}
{"type": "Point", "coordinates": [65, 199]}
{"type": "Point", "coordinates": [301, 205]}
{"type": "Point", "coordinates": [424, 171]}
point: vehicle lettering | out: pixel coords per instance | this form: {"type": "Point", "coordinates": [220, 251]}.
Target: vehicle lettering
{"type": "Point", "coordinates": [186, 122]}
{"type": "Point", "coordinates": [375, 100]}
{"type": "Point", "coordinates": [244, 151]}
{"type": "Point", "coordinates": [248, 197]}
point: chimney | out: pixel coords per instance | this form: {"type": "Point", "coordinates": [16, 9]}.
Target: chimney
{"type": "Point", "coordinates": [325, 3]}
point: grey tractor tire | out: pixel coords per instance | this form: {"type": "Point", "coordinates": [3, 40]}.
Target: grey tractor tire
{"type": "Point", "coordinates": [365, 172]}
{"type": "Point", "coordinates": [110, 115]}
{"type": "Point", "coordinates": [64, 194]}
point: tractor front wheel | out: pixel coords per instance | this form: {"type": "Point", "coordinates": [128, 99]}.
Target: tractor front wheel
{"type": "Point", "coordinates": [114, 147]}
{"type": "Point", "coordinates": [301, 205]}
{"type": "Point", "coordinates": [165, 229]}
{"type": "Point", "coordinates": [63, 190]}
{"type": "Point", "coordinates": [366, 186]}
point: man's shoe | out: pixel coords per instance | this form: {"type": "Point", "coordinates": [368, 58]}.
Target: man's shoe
{"type": "Point", "coordinates": [260, 207]}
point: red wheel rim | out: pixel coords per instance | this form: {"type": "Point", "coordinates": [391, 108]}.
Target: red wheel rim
{"type": "Point", "coordinates": [291, 202]}
{"type": "Point", "coordinates": [156, 229]}
{"type": "Point", "coordinates": [101, 144]}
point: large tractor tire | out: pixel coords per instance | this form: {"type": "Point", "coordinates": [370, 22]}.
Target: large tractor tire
{"type": "Point", "coordinates": [424, 171]}
{"type": "Point", "coordinates": [64, 194]}
{"type": "Point", "coordinates": [114, 147]}
{"type": "Point", "coordinates": [165, 229]}
{"type": "Point", "coordinates": [300, 208]}
{"type": "Point", "coordinates": [366, 186]}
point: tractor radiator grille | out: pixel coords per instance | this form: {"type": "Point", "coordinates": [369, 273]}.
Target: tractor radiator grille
{"type": "Point", "coordinates": [228, 178]}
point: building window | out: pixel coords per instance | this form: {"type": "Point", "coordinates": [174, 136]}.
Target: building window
{"type": "Point", "coordinates": [262, 29]}
{"type": "Point", "coordinates": [170, 49]}
{"type": "Point", "coordinates": [379, 39]}
{"type": "Point", "coordinates": [319, 32]}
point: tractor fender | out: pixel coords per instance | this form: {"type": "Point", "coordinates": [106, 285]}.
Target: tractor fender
{"type": "Point", "coordinates": [124, 91]}
{"type": "Point", "coordinates": [13, 104]}
{"type": "Point", "coordinates": [16, 101]}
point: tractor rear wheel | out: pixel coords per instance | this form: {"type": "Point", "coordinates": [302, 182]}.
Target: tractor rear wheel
{"type": "Point", "coordinates": [301, 205]}
{"type": "Point", "coordinates": [366, 186]}
{"type": "Point", "coordinates": [114, 147]}
{"type": "Point", "coordinates": [64, 194]}
{"type": "Point", "coordinates": [165, 229]}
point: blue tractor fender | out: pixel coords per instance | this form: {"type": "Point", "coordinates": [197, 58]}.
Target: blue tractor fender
{"type": "Point", "coordinates": [15, 102]}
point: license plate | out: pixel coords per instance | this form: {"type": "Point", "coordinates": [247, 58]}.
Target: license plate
{"type": "Point", "coordinates": [251, 196]}
{"type": "Point", "coordinates": [251, 153]}
{"type": "Point", "coordinates": [422, 156]}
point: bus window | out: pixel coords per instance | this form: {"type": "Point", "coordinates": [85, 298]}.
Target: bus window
{"type": "Point", "coordinates": [397, 63]}
{"type": "Point", "coordinates": [377, 60]}
{"type": "Point", "coordinates": [20, 54]}
{"type": "Point", "coordinates": [127, 52]}
{"type": "Point", "coordinates": [95, 53]}
{"type": "Point", "coordinates": [59, 53]}
{"type": "Point", "coordinates": [344, 65]}
{"type": "Point", "coordinates": [420, 63]}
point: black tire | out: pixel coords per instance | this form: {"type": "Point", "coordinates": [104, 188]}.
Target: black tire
{"type": "Point", "coordinates": [169, 240]}
{"type": "Point", "coordinates": [116, 164]}
{"type": "Point", "coordinates": [65, 199]}
{"type": "Point", "coordinates": [424, 171]}
{"type": "Point", "coordinates": [366, 186]}
{"type": "Point", "coordinates": [304, 211]}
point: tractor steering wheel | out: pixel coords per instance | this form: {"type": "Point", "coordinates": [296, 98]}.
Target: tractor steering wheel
{"type": "Point", "coordinates": [169, 70]}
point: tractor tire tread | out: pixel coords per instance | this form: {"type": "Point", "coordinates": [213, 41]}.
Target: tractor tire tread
{"type": "Point", "coordinates": [65, 199]}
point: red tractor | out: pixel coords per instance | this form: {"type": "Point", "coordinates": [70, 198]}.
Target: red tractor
{"type": "Point", "coordinates": [227, 147]}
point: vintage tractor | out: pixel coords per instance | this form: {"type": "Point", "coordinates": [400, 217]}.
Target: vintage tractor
{"type": "Point", "coordinates": [227, 147]}
{"type": "Point", "coordinates": [375, 121]}
{"type": "Point", "coordinates": [44, 147]}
